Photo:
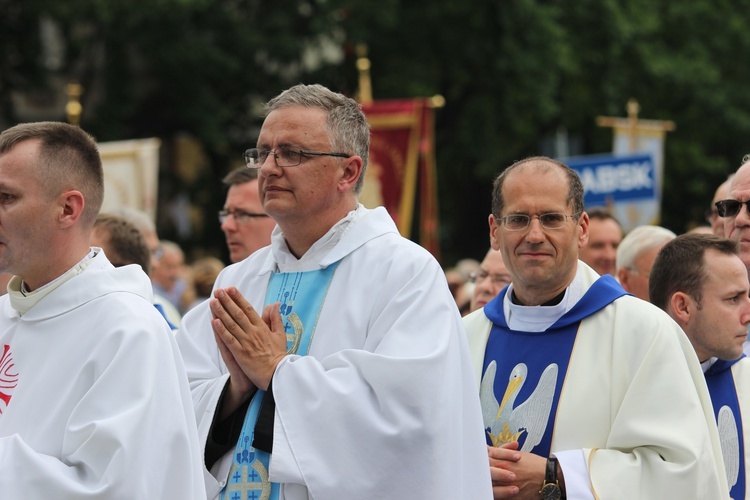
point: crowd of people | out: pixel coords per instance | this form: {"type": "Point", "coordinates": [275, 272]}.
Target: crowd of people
{"type": "Point", "coordinates": [335, 359]}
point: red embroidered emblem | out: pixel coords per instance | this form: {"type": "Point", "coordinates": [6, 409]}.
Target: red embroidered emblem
{"type": "Point", "coordinates": [8, 377]}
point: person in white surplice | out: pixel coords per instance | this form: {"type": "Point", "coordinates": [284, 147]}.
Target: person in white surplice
{"type": "Point", "coordinates": [586, 391]}
{"type": "Point", "coordinates": [701, 282]}
{"type": "Point", "coordinates": [337, 367]}
{"type": "Point", "coordinates": [94, 399]}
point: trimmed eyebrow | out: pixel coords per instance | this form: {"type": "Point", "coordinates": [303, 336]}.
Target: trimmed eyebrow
{"type": "Point", "coordinates": [279, 145]}
{"type": "Point", "coordinates": [545, 212]}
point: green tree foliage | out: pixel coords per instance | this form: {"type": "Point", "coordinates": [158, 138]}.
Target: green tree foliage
{"type": "Point", "coordinates": [171, 67]}
{"type": "Point", "coordinates": [513, 73]}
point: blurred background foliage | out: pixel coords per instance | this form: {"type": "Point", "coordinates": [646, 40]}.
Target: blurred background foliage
{"type": "Point", "coordinates": [518, 77]}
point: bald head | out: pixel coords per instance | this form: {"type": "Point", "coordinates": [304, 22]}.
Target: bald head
{"type": "Point", "coordinates": [737, 226]}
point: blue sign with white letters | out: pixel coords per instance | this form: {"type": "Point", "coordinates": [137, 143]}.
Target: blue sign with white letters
{"type": "Point", "coordinates": [610, 179]}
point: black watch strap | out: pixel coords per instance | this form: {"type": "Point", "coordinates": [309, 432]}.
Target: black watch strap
{"type": "Point", "coordinates": [551, 475]}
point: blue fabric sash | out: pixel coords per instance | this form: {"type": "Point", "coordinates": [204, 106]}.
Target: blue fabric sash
{"type": "Point", "coordinates": [729, 421]}
{"type": "Point", "coordinates": [523, 372]}
{"type": "Point", "coordinates": [301, 296]}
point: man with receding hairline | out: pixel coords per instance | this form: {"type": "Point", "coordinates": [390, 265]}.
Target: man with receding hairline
{"type": "Point", "coordinates": [94, 401]}
{"type": "Point", "coordinates": [586, 391]}
{"type": "Point", "coordinates": [734, 212]}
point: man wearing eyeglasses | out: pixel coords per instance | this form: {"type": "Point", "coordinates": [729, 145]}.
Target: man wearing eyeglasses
{"type": "Point", "coordinates": [712, 214]}
{"type": "Point", "coordinates": [733, 213]}
{"type": "Point", "coordinates": [246, 225]}
{"type": "Point", "coordinates": [333, 363]}
{"type": "Point", "coordinates": [586, 391]}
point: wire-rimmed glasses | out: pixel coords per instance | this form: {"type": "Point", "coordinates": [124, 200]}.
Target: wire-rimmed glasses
{"type": "Point", "coordinates": [284, 156]}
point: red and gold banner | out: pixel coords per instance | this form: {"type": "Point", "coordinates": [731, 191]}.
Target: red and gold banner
{"type": "Point", "coordinates": [401, 173]}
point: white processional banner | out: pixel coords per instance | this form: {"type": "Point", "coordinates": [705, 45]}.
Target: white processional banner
{"type": "Point", "coordinates": [131, 174]}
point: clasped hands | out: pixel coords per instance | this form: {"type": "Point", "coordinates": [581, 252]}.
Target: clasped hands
{"type": "Point", "coordinates": [250, 344]}
{"type": "Point", "coordinates": [515, 474]}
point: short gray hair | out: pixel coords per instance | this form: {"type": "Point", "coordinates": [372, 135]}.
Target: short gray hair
{"type": "Point", "coordinates": [348, 129]}
{"type": "Point", "coordinates": [640, 240]}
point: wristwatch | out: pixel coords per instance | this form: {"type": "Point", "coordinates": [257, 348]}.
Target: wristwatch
{"type": "Point", "coordinates": [551, 488]}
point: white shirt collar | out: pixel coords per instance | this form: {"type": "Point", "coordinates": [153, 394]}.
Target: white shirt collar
{"type": "Point", "coordinates": [286, 262]}
{"type": "Point", "coordinates": [22, 300]}
{"type": "Point", "coordinates": [540, 318]}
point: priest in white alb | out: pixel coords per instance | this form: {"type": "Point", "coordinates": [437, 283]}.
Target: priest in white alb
{"type": "Point", "coordinates": [331, 364]}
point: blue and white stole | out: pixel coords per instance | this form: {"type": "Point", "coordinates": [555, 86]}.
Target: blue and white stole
{"type": "Point", "coordinates": [302, 295]}
{"type": "Point", "coordinates": [523, 372]}
{"type": "Point", "coordinates": [729, 421]}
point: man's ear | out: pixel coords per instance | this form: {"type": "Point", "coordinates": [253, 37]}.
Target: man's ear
{"type": "Point", "coordinates": [623, 276]}
{"type": "Point", "coordinates": [681, 308]}
{"type": "Point", "coordinates": [71, 205]}
{"type": "Point", "coordinates": [353, 169]}
{"type": "Point", "coordinates": [494, 232]}
{"type": "Point", "coordinates": [583, 229]}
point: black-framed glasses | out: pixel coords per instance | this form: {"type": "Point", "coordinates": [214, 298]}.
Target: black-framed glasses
{"type": "Point", "coordinates": [284, 156]}
{"type": "Point", "coordinates": [730, 208]}
{"type": "Point", "coordinates": [240, 216]}
{"type": "Point", "coordinates": [500, 280]}
{"type": "Point", "coordinates": [550, 220]}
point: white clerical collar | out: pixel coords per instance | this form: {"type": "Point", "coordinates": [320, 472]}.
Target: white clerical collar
{"type": "Point", "coordinates": [23, 300]}
{"type": "Point", "coordinates": [540, 318]}
{"type": "Point", "coordinates": [286, 262]}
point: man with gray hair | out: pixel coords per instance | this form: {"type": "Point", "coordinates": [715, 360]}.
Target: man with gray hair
{"type": "Point", "coordinates": [332, 363]}
{"type": "Point", "coordinates": [734, 211]}
{"type": "Point", "coordinates": [636, 255]}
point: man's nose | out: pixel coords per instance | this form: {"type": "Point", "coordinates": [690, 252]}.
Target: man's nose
{"type": "Point", "coordinates": [536, 232]}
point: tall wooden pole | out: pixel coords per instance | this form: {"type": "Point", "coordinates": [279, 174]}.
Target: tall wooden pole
{"type": "Point", "coordinates": [74, 108]}
{"type": "Point", "coordinates": [364, 95]}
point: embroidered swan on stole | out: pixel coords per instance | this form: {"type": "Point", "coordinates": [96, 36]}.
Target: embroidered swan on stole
{"type": "Point", "coordinates": [730, 444]}
{"type": "Point", "coordinates": [506, 422]}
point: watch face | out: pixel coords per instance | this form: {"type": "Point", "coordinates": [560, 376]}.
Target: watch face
{"type": "Point", "coordinates": [551, 491]}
